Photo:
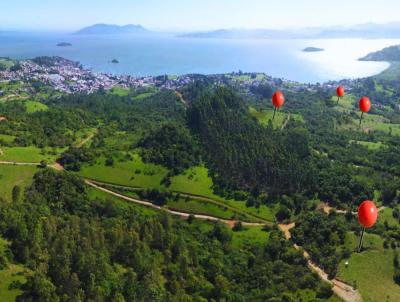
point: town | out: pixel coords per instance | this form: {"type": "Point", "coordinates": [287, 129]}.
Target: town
{"type": "Point", "coordinates": [69, 77]}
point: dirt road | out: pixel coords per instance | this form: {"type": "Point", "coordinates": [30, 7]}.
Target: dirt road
{"type": "Point", "coordinates": [173, 212]}
{"type": "Point", "coordinates": [341, 289]}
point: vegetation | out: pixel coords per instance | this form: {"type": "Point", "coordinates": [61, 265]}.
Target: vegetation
{"type": "Point", "coordinates": [95, 250]}
{"type": "Point", "coordinates": [207, 149]}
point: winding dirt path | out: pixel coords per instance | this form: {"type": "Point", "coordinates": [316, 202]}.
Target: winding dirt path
{"type": "Point", "coordinates": [85, 140]}
{"type": "Point", "coordinates": [18, 163]}
{"type": "Point", "coordinates": [185, 215]}
{"type": "Point", "coordinates": [327, 209]}
{"type": "Point", "coordinates": [193, 196]}
{"type": "Point", "coordinates": [346, 292]}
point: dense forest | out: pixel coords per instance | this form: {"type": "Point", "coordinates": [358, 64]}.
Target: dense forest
{"type": "Point", "coordinates": [82, 249]}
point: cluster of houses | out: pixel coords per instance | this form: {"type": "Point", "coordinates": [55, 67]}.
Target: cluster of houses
{"type": "Point", "coordinates": [69, 77]}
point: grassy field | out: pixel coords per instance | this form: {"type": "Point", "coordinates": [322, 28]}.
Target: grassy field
{"type": "Point", "coordinates": [28, 154]}
{"type": "Point", "coordinates": [196, 181]}
{"type": "Point", "coordinates": [8, 275]}
{"type": "Point", "coordinates": [249, 236]}
{"type": "Point", "coordinates": [369, 145]}
{"type": "Point", "coordinates": [7, 138]}
{"type": "Point", "coordinates": [120, 91]}
{"type": "Point", "coordinates": [134, 173]}
{"type": "Point", "coordinates": [121, 140]}
{"type": "Point", "coordinates": [34, 106]}
{"type": "Point", "coordinates": [374, 122]}
{"type": "Point", "coordinates": [82, 135]}
{"type": "Point", "coordinates": [280, 116]}
{"type": "Point", "coordinates": [387, 215]}
{"type": "Point", "coordinates": [11, 176]}
{"type": "Point", "coordinates": [372, 270]}
{"type": "Point", "coordinates": [202, 207]}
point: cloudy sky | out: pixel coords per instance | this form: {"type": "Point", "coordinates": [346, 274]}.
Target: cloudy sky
{"type": "Point", "coordinates": [189, 15]}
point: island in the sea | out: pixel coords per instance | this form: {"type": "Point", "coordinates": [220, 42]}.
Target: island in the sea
{"type": "Point", "coordinates": [313, 49]}
{"type": "Point", "coordinates": [115, 61]}
{"type": "Point", "coordinates": [64, 44]}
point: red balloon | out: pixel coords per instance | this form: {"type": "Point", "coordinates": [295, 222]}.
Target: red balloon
{"type": "Point", "coordinates": [340, 91]}
{"type": "Point", "coordinates": [278, 99]}
{"type": "Point", "coordinates": [367, 213]}
{"type": "Point", "coordinates": [365, 104]}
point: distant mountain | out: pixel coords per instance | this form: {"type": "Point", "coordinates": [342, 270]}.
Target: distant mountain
{"type": "Point", "coordinates": [241, 34]}
{"type": "Point", "coordinates": [389, 54]}
{"type": "Point", "coordinates": [110, 29]}
{"type": "Point", "coordinates": [369, 30]}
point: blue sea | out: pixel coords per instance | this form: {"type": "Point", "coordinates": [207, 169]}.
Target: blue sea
{"type": "Point", "coordinates": [169, 54]}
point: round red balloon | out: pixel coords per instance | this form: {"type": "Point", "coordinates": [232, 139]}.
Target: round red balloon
{"type": "Point", "coordinates": [278, 99]}
{"type": "Point", "coordinates": [340, 91]}
{"type": "Point", "coordinates": [365, 104]}
{"type": "Point", "coordinates": [367, 213]}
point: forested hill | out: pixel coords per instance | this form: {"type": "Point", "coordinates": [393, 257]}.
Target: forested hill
{"type": "Point", "coordinates": [244, 155]}
{"type": "Point", "coordinates": [388, 54]}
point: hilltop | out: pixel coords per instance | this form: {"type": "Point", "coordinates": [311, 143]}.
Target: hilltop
{"type": "Point", "coordinates": [111, 29]}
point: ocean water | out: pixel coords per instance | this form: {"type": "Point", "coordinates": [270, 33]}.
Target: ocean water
{"type": "Point", "coordinates": [168, 54]}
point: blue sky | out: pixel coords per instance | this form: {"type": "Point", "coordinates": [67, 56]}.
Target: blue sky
{"type": "Point", "coordinates": [188, 15]}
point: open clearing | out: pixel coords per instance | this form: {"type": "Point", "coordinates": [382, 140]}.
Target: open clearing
{"type": "Point", "coordinates": [34, 106]}
{"type": "Point", "coordinates": [11, 176]}
{"type": "Point", "coordinates": [372, 270]}
{"type": "Point", "coordinates": [29, 154]}
{"type": "Point", "coordinates": [281, 116]}
{"type": "Point", "coordinates": [133, 173]}
{"type": "Point", "coordinates": [374, 122]}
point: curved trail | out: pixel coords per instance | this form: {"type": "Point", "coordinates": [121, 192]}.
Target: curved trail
{"type": "Point", "coordinates": [193, 196]}
{"type": "Point", "coordinates": [173, 212]}
{"type": "Point", "coordinates": [327, 209]}
{"type": "Point", "coordinates": [13, 163]}
{"type": "Point", "coordinates": [341, 289]}
{"type": "Point", "coordinates": [85, 140]}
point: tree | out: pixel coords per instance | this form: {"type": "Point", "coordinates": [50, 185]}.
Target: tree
{"type": "Point", "coordinates": [109, 162]}
{"type": "Point", "coordinates": [283, 213]}
{"type": "Point", "coordinates": [16, 192]}
{"type": "Point", "coordinates": [43, 164]}
{"type": "Point", "coordinates": [38, 289]}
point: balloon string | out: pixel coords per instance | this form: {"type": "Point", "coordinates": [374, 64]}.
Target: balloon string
{"type": "Point", "coordinates": [362, 112]}
{"type": "Point", "coordinates": [338, 100]}
{"type": "Point", "coordinates": [273, 117]}
{"type": "Point", "coordinates": [361, 240]}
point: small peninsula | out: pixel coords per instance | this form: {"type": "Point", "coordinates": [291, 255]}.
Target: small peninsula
{"type": "Point", "coordinates": [388, 54]}
{"type": "Point", "coordinates": [312, 49]}
{"type": "Point", "coordinates": [64, 44]}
